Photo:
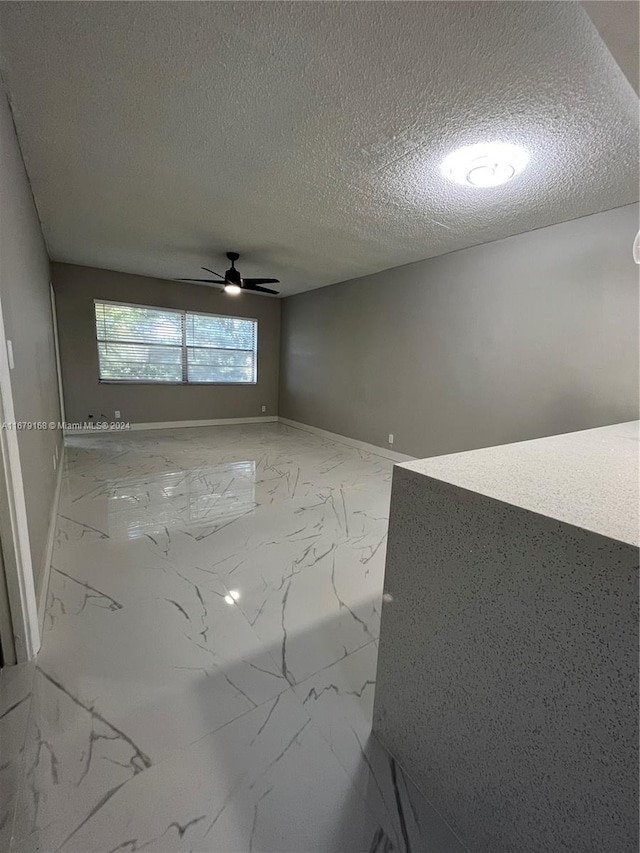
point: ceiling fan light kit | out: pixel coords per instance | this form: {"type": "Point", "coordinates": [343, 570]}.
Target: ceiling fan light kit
{"type": "Point", "coordinates": [232, 282]}
{"type": "Point", "coordinates": [485, 165]}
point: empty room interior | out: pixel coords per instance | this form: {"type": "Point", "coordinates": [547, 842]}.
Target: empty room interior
{"type": "Point", "coordinates": [319, 430]}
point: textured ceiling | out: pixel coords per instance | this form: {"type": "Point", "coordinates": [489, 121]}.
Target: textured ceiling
{"type": "Point", "coordinates": [307, 136]}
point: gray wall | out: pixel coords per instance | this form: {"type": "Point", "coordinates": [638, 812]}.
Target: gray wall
{"type": "Point", "coordinates": [529, 336]}
{"type": "Point", "coordinates": [76, 287]}
{"type": "Point", "coordinates": [26, 305]}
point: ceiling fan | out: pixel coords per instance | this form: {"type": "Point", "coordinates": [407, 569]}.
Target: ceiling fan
{"type": "Point", "coordinates": [232, 282]}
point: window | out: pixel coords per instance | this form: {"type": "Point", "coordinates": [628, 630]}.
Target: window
{"type": "Point", "coordinates": [141, 344]}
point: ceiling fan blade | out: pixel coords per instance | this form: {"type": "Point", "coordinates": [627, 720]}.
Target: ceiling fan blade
{"type": "Point", "coordinates": [256, 287]}
{"type": "Point", "coordinates": [261, 280]}
{"type": "Point", "coordinates": [206, 269]}
{"type": "Point", "coordinates": [203, 281]}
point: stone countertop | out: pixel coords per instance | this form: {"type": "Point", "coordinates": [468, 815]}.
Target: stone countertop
{"type": "Point", "coordinates": [588, 478]}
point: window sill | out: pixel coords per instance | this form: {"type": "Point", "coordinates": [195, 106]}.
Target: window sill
{"type": "Point", "coordinates": [152, 382]}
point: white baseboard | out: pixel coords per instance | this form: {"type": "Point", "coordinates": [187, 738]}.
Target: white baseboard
{"type": "Point", "coordinates": [352, 442]}
{"type": "Point", "coordinates": [48, 551]}
{"type": "Point", "coordinates": [262, 419]}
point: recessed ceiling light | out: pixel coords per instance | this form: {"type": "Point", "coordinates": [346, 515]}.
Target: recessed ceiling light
{"type": "Point", "coordinates": [485, 165]}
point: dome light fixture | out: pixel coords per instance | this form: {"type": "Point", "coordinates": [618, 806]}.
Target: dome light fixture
{"type": "Point", "coordinates": [232, 289]}
{"type": "Point", "coordinates": [487, 164]}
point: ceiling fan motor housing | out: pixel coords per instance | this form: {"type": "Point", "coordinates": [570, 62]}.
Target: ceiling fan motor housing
{"type": "Point", "coordinates": [232, 275]}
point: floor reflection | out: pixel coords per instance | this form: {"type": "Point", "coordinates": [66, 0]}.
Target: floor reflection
{"type": "Point", "coordinates": [180, 498]}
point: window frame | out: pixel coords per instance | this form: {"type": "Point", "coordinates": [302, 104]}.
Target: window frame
{"type": "Point", "coordinates": [182, 347]}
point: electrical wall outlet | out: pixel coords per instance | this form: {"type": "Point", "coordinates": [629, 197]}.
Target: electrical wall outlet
{"type": "Point", "coordinates": [10, 354]}
{"type": "Point", "coordinates": [390, 438]}
{"type": "Point", "coordinates": [264, 408]}
{"type": "Point", "coordinates": [117, 413]}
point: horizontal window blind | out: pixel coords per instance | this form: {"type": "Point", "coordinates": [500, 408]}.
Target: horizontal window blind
{"type": "Point", "coordinates": [141, 344]}
{"type": "Point", "coordinates": [220, 349]}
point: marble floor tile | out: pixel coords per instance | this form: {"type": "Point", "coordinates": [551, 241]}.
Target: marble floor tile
{"type": "Point", "coordinates": [265, 782]}
{"type": "Point", "coordinates": [311, 611]}
{"type": "Point", "coordinates": [171, 667]}
{"type": "Point", "coordinates": [206, 675]}
{"type": "Point", "coordinates": [15, 700]}
{"type": "Point", "coordinates": [340, 701]}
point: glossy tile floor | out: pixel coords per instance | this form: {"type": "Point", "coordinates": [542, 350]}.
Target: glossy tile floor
{"type": "Point", "coordinates": [208, 665]}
